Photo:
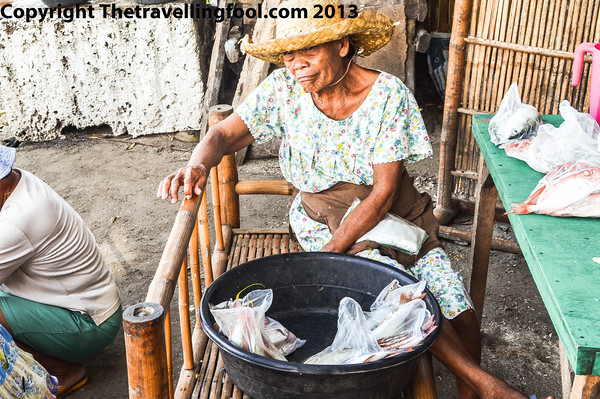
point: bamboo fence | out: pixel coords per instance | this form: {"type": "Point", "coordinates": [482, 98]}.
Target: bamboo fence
{"type": "Point", "coordinates": [531, 42]}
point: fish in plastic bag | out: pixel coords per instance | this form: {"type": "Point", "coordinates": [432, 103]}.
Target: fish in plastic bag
{"type": "Point", "coordinates": [514, 120]}
{"type": "Point", "coordinates": [245, 324]}
{"type": "Point", "coordinates": [397, 323]}
{"type": "Point", "coordinates": [576, 139]}
{"type": "Point", "coordinates": [394, 232]}
{"type": "Point", "coordinates": [571, 189]}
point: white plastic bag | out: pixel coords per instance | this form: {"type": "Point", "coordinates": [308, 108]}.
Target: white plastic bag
{"type": "Point", "coordinates": [352, 340]}
{"type": "Point", "coordinates": [570, 189]}
{"type": "Point", "coordinates": [398, 322]}
{"type": "Point", "coordinates": [514, 120]}
{"type": "Point", "coordinates": [394, 232]}
{"type": "Point", "coordinates": [244, 323]}
{"type": "Point", "coordinates": [576, 139]}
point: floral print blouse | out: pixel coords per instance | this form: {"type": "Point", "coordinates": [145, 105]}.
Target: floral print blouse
{"type": "Point", "coordinates": [21, 377]}
{"type": "Point", "coordinates": [316, 152]}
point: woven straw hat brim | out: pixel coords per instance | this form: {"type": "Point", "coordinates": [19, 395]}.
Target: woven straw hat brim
{"type": "Point", "coordinates": [369, 31]}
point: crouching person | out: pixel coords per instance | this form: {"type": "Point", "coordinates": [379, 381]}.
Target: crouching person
{"type": "Point", "coordinates": [57, 297]}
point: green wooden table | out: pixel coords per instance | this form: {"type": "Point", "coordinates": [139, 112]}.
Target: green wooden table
{"type": "Point", "coordinates": [558, 251]}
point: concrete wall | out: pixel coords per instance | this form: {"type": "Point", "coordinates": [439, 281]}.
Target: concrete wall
{"type": "Point", "coordinates": [139, 76]}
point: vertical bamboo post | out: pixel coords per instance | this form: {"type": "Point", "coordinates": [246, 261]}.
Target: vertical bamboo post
{"type": "Point", "coordinates": [214, 177]}
{"type": "Point", "coordinates": [169, 348]}
{"type": "Point", "coordinates": [184, 318]}
{"type": "Point", "coordinates": [195, 269]}
{"type": "Point", "coordinates": [444, 210]}
{"type": "Point", "coordinates": [217, 114]}
{"type": "Point", "coordinates": [230, 209]}
{"type": "Point", "coordinates": [144, 340]}
{"type": "Point", "coordinates": [205, 242]}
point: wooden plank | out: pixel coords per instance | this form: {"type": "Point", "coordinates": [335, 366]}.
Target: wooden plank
{"type": "Point", "coordinates": [585, 387]}
{"type": "Point", "coordinates": [215, 70]}
{"type": "Point", "coordinates": [269, 244]}
{"type": "Point", "coordinates": [482, 237]}
{"type": "Point", "coordinates": [562, 267]}
{"type": "Point", "coordinates": [423, 383]}
{"type": "Point", "coordinates": [211, 368]}
{"type": "Point", "coordinates": [566, 376]}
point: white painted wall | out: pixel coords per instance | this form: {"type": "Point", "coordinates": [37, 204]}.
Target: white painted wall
{"type": "Point", "coordinates": [139, 76]}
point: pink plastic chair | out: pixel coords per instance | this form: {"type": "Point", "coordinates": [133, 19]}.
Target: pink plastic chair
{"type": "Point", "coordinates": [580, 51]}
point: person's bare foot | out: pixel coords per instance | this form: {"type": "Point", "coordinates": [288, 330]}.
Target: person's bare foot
{"type": "Point", "coordinates": [68, 374]}
{"type": "Point", "coordinates": [499, 389]}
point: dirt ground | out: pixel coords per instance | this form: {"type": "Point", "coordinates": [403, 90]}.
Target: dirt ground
{"type": "Point", "coordinates": [112, 183]}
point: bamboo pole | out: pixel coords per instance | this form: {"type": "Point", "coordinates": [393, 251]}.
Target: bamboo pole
{"type": "Point", "coordinates": [169, 348]}
{"type": "Point", "coordinates": [230, 199]}
{"type": "Point", "coordinates": [275, 247]}
{"type": "Point", "coordinates": [205, 243]}
{"type": "Point", "coordinates": [444, 210]}
{"type": "Point", "coordinates": [195, 270]}
{"type": "Point", "coordinates": [223, 233]}
{"type": "Point", "coordinates": [214, 177]}
{"type": "Point", "coordinates": [162, 286]}
{"type": "Point", "coordinates": [277, 187]}
{"type": "Point", "coordinates": [145, 351]}
{"type": "Point", "coordinates": [499, 244]}
{"type": "Point", "coordinates": [269, 244]}
{"type": "Point", "coordinates": [547, 101]}
{"type": "Point", "coordinates": [184, 318]}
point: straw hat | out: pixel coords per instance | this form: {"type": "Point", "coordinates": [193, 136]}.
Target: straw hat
{"type": "Point", "coordinates": [369, 31]}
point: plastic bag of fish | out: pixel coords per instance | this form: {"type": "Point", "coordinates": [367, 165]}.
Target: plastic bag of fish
{"type": "Point", "coordinates": [393, 231]}
{"type": "Point", "coordinates": [398, 322]}
{"type": "Point", "coordinates": [514, 120]}
{"type": "Point", "coordinates": [245, 324]}
{"type": "Point", "coordinates": [576, 139]}
{"type": "Point", "coordinates": [570, 189]}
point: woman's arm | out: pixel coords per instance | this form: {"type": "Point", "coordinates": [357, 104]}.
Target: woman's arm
{"type": "Point", "coordinates": [370, 211]}
{"type": "Point", "coordinates": [226, 137]}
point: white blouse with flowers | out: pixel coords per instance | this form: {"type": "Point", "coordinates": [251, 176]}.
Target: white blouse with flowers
{"type": "Point", "coordinates": [316, 152]}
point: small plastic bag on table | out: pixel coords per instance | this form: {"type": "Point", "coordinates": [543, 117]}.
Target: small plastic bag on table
{"type": "Point", "coordinates": [576, 139]}
{"type": "Point", "coordinates": [514, 120]}
{"type": "Point", "coordinates": [245, 324]}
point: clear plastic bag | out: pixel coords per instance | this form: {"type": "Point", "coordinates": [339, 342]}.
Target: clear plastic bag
{"type": "Point", "coordinates": [394, 232]}
{"type": "Point", "coordinates": [352, 340]}
{"type": "Point", "coordinates": [397, 323]}
{"type": "Point", "coordinates": [576, 139]}
{"type": "Point", "coordinates": [514, 120]}
{"type": "Point", "coordinates": [570, 189]}
{"type": "Point", "coordinates": [244, 323]}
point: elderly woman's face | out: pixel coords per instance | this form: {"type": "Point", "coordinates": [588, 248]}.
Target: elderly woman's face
{"type": "Point", "coordinates": [317, 67]}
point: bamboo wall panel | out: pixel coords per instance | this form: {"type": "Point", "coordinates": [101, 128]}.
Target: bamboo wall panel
{"type": "Point", "coordinates": [530, 42]}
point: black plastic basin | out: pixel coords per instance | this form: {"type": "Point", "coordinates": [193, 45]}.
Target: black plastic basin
{"type": "Point", "coordinates": [307, 289]}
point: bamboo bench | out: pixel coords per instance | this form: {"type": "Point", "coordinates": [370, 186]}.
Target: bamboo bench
{"type": "Point", "coordinates": [147, 325]}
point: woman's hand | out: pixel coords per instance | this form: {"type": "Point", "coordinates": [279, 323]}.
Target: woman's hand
{"type": "Point", "coordinates": [227, 137]}
{"type": "Point", "coordinates": [193, 178]}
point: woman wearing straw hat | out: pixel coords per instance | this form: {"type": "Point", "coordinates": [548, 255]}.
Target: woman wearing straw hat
{"type": "Point", "coordinates": [345, 133]}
